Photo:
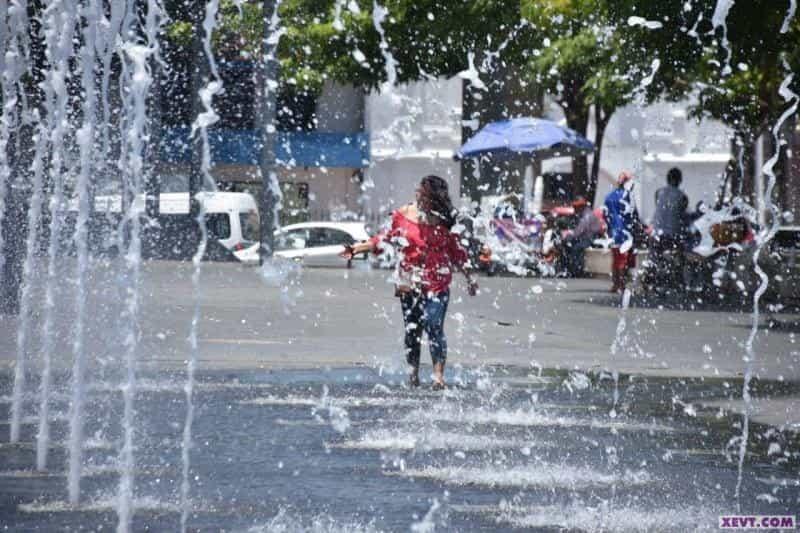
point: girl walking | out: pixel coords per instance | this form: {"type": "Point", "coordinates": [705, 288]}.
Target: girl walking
{"type": "Point", "coordinates": [429, 254]}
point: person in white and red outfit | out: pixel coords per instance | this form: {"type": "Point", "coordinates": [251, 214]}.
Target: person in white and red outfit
{"type": "Point", "coordinates": [429, 254]}
{"type": "Point", "coordinates": [622, 219]}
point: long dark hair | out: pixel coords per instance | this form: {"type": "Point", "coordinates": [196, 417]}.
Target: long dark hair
{"type": "Point", "coordinates": [439, 207]}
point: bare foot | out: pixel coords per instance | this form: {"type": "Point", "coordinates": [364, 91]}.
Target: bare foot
{"type": "Point", "coordinates": [438, 376]}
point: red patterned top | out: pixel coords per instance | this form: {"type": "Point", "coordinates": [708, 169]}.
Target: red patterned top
{"type": "Point", "coordinates": [428, 253]}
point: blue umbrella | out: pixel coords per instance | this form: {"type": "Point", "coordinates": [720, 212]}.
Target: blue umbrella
{"type": "Point", "coordinates": [505, 138]}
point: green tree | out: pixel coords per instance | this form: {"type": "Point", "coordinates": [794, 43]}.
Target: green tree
{"type": "Point", "coordinates": [238, 37]}
{"type": "Point", "coordinates": [421, 39]}
{"type": "Point", "coordinates": [591, 56]}
{"type": "Point", "coordinates": [585, 62]}
{"type": "Point", "coordinates": [733, 61]}
{"type": "Point", "coordinates": [425, 37]}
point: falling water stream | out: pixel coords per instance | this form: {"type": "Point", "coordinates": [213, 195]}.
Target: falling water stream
{"type": "Point", "coordinates": [719, 20]}
{"type": "Point", "coordinates": [85, 137]}
{"type": "Point", "coordinates": [205, 119]}
{"type": "Point", "coordinates": [62, 23]}
{"type": "Point", "coordinates": [43, 128]}
{"type": "Point", "coordinates": [12, 19]}
{"type": "Point", "coordinates": [763, 240]}
{"type": "Point", "coordinates": [106, 45]}
{"type": "Point", "coordinates": [138, 56]}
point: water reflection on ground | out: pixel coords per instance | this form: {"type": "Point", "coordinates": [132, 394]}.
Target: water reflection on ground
{"type": "Point", "coordinates": [356, 450]}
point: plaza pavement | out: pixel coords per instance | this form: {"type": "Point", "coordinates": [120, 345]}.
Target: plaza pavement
{"type": "Point", "coordinates": [337, 317]}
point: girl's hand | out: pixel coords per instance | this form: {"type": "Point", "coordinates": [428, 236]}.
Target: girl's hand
{"type": "Point", "coordinates": [348, 252]}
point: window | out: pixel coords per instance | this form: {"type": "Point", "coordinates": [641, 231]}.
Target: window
{"type": "Point", "coordinates": [292, 240]}
{"type": "Point", "coordinates": [329, 237]}
{"type": "Point", "coordinates": [250, 224]}
{"type": "Point", "coordinates": [218, 225]}
{"type": "Point", "coordinates": [294, 206]}
{"type": "Point", "coordinates": [174, 183]}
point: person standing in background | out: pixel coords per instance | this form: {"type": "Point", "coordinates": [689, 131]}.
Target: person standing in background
{"type": "Point", "coordinates": [577, 240]}
{"type": "Point", "coordinates": [622, 218]}
{"type": "Point", "coordinates": [669, 222]}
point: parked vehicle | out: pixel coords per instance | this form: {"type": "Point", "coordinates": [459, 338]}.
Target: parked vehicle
{"type": "Point", "coordinates": [317, 244]}
{"type": "Point", "coordinates": [232, 221]}
{"type": "Point", "coordinates": [527, 245]}
{"type": "Point", "coordinates": [782, 266]}
{"type": "Point", "coordinates": [715, 261]}
{"type": "Point", "coordinates": [510, 246]}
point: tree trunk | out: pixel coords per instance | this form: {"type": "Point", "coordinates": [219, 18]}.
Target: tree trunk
{"type": "Point", "coordinates": [600, 131]}
{"type": "Point", "coordinates": [470, 167]}
{"type": "Point", "coordinates": [578, 120]}
{"type": "Point", "coordinates": [269, 200]}
{"type": "Point", "coordinates": [743, 178]}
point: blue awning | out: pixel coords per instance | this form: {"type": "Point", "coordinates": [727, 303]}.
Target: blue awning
{"type": "Point", "coordinates": [294, 149]}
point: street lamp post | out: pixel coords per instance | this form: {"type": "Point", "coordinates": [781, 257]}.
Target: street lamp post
{"type": "Point", "coordinates": [198, 80]}
{"type": "Point", "coordinates": [268, 78]}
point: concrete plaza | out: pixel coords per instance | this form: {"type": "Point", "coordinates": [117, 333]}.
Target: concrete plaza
{"type": "Point", "coordinates": [337, 317]}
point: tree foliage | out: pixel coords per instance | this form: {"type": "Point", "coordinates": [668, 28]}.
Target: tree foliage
{"type": "Point", "coordinates": [591, 56]}
{"type": "Point", "coordinates": [583, 62]}
{"type": "Point", "coordinates": [424, 37]}
{"type": "Point", "coordinates": [734, 61]}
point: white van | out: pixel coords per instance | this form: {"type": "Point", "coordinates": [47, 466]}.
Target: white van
{"type": "Point", "coordinates": [231, 217]}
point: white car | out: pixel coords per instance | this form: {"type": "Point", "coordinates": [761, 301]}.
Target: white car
{"type": "Point", "coordinates": [313, 243]}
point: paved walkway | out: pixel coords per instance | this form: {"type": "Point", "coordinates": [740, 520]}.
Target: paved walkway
{"type": "Point", "coordinates": [337, 317]}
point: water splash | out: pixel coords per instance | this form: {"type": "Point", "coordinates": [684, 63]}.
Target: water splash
{"type": "Point", "coordinates": [204, 120]}
{"type": "Point", "coordinates": [431, 439]}
{"type": "Point", "coordinates": [96, 505]}
{"type": "Point", "coordinates": [286, 521]}
{"type": "Point", "coordinates": [138, 57]}
{"type": "Point", "coordinates": [471, 74]}
{"type": "Point", "coordinates": [718, 20]}
{"type": "Point", "coordinates": [763, 240]}
{"type": "Point", "coordinates": [530, 417]}
{"type": "Point", "coordinates": [399, 134]}
{"type": "Point", "coordinates": [604, 518]}
{"type": "Point", "coordinates": [789, 16]}
{"type": "Point", "coordinates": [643, 22]}
{"type": "Point", "coordinates": [58, 52]}
{"type": "Point", "coordinates": [12, 16]}
{"type": "Point", "coordinates": [529, 476]}
{"type": "Point", "coordinates": [348, 401]}
{"type": "Point", "coordinates": [436, 515]}
{"type": "Point", "coordinates": [379, 14]}
{"type": "Point", "coordinates": [337, 15]}
{"type": "Point", "coordinates": [33, 221]}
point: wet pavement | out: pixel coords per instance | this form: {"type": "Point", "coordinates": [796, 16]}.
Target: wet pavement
{"type": "Point", "coordinates": [338, 318]}
{"type": "Point", "coordinates": [354, 449]}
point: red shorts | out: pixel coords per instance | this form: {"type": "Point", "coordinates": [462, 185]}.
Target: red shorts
{"type": "Point", "coordinates": [622, 261]}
